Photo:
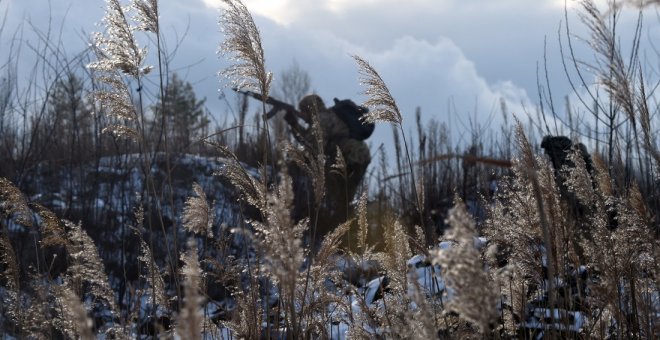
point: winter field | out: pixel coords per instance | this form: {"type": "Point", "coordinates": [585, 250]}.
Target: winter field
{"type": "Point", "coordinates": [127, 212]}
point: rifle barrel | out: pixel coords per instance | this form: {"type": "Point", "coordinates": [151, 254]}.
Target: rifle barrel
{"type": "Point", "coordinates": [277, 104]}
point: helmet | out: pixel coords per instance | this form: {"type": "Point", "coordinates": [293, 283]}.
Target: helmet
{"type": "Point", "coordinates": [311, 104]}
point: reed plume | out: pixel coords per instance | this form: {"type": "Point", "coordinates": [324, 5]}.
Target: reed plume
{"type": "Point", "coordinates": [86, 269]}
{"type": "Point", "coordinates": [11, 276]}
{"type": "Point", "coordinates": [72, 318]}
{"type": "Point", "coordinates": [311, 159]}
{"type": "Point", "coordinates": [242, 44]}
{"type": "Point", "coordinates": [116, 48]}
{"type": "Point", "coordinates": [53, 230]}
{"type": "Point", "coordinates": [381, 104]}
{"type": "Point", "coordinates": [190, 319]}
{"type": "Point", "coordinates": [147, 15]}
{"type": "Point", "coordinates": [280, 238]}
{"type": "Point", "coordinates": [198, 216]}
{"type": "Point", "coordinates": [14, 204]}
{"type": "Point", "coordinates": [474, 298]}
{"type": "Point", "coordinates": [118, 53]}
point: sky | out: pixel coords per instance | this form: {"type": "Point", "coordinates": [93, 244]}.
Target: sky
{"type": "Point", "coordinates": [454, 59]}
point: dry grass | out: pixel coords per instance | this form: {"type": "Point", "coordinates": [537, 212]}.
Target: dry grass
{"type": "Point", "coordinates": [566, 241]}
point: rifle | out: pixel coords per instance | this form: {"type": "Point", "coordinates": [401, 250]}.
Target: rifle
{"type": "Point", "coordinates": [290, 117]}
{"type": "Point", "coordinates": [277, 104]}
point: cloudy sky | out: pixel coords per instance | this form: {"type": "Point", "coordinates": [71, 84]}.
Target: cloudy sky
{"type": "Point", "coordinates": [455, 59]}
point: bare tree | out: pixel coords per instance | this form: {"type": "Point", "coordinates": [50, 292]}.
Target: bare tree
{"type": "Point", "coordinates": [292, 84]}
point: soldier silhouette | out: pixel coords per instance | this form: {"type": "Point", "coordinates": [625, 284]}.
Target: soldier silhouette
{"type": "Point", "coordinates": [341, 129]}
{"type": "Point", "coordinates": [558, 149]}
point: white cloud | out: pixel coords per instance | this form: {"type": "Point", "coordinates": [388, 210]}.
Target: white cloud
{"type": "Point", "coordinates": [429, 74]}
{"type": "Point", "coordinates": [283, 12]}
{"type": "Point", "coordinates": [419, 74]}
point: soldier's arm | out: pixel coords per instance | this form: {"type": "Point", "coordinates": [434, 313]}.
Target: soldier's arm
{"type": "Point", "coordinates": [298, 130]}
{"type": "Point", "coordinates": [291, 114]}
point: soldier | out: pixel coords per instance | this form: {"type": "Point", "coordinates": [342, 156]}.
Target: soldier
{"type": "Point", "coordinates": [341, 128]}
{"type": "Point", "coordinates": [340, 189]}
{"type": "Point", "coordinates": [336, 133]}
{"type": "Point", "coordinates": [558, 148]}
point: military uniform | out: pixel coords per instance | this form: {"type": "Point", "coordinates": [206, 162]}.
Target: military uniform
{"type": "Point", "coordinates": [339, 191]}
{"type": "Point", "coordinates": [558, 148]}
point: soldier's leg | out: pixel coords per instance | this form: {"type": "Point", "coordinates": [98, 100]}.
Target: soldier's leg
{"type": "Point", "coordinates": [341, 190]}
{"type": "Point", "coordinates": [357, 156]}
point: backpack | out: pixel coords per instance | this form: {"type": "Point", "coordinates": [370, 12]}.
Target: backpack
{"type": "Point", "coordinates": [350, 114]}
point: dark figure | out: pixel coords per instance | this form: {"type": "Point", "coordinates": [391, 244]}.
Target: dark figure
{"type": "Point", "coordinates": [558, 149]}
{"type": "Point", "coordinates": [343, 132]}
{"type": "Point", "coordinates": [342, 128]}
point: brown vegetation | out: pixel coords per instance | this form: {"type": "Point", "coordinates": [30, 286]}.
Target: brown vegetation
{"type": "Point", "coordinates": [528, 247]}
